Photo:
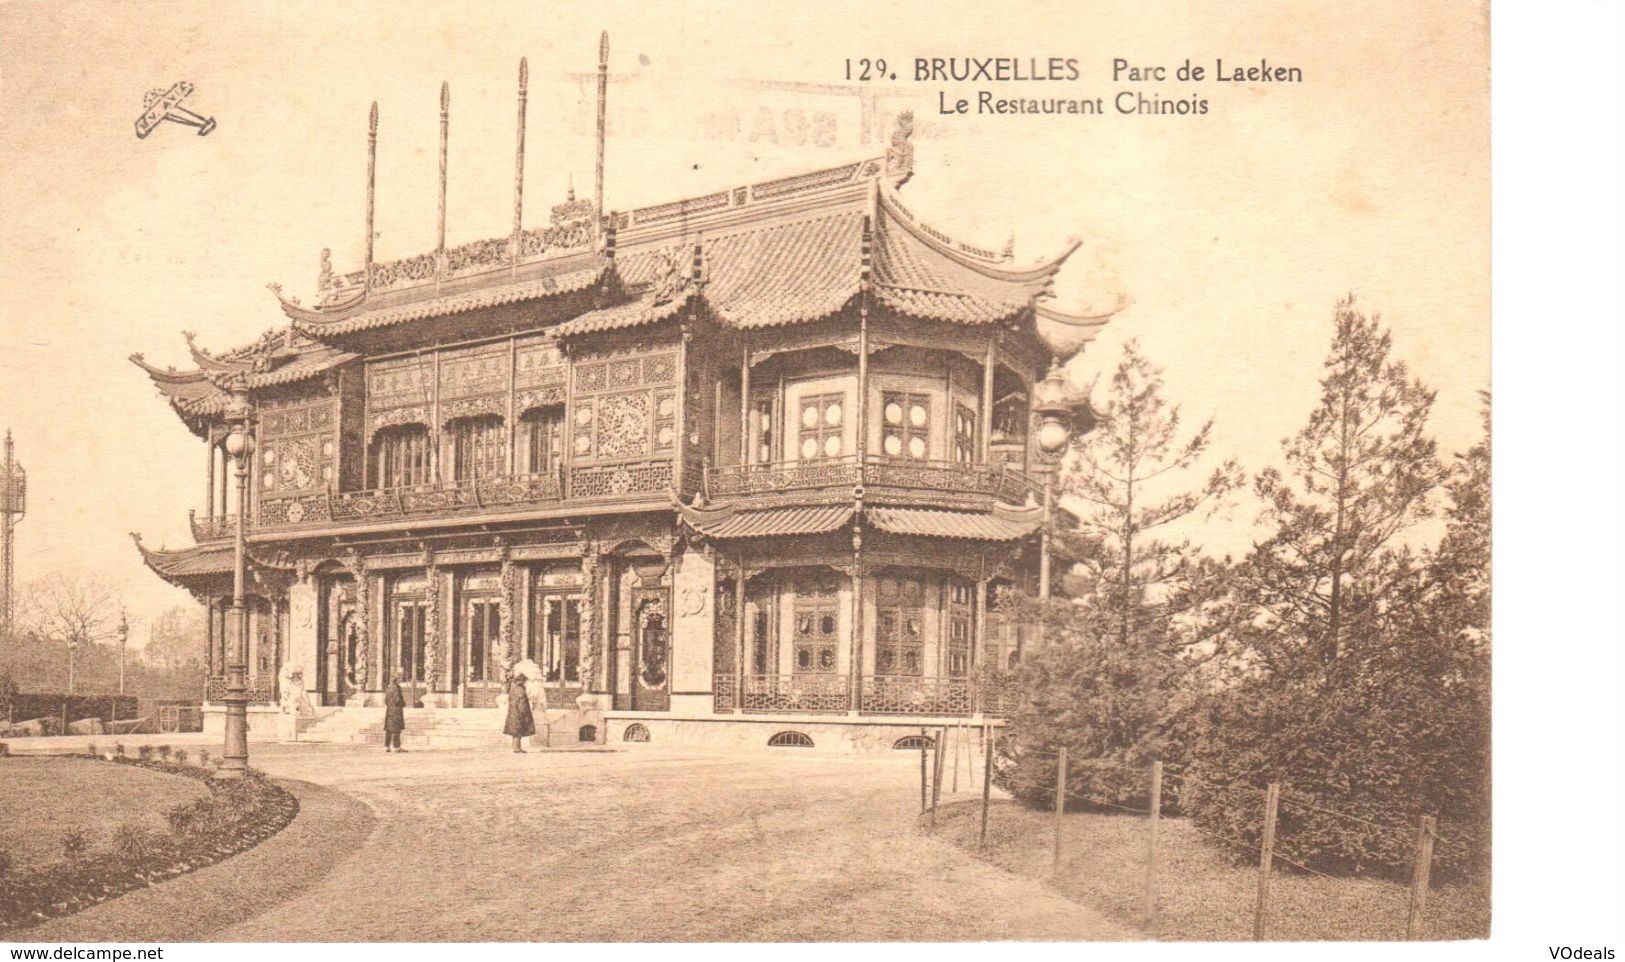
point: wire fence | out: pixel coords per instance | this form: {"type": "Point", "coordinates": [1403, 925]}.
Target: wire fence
{"type": "Point", "coordinates": [965, 754]}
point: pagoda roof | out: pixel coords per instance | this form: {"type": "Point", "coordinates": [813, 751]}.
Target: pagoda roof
{"type": "Point", "coordinates": [779, 252]}
{"type": "Point", "coordinates": [1009, 525]}
{"type": "Point", "coordinates": [200, 395]}
{"type": "Point", "coordinates": [726, 522]}
{"type": "Point", "coordinates": [185, 566]}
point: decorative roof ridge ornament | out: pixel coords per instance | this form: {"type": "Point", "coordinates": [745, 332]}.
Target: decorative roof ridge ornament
{"type": "Point", "coordinates": [900, 155]}
{"type": "Point", "coordinates": [670, 278]}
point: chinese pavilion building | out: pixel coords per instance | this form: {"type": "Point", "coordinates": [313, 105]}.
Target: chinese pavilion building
{"type": "Point", "coordinates": [724, 468]}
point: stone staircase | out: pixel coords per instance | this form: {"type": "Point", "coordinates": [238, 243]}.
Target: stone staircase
{"type": "Point", "coordinates": [436, 728]}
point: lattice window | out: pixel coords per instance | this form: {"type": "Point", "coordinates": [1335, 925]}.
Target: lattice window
{"type": "Point", "coordinates": [960, 595]}
{"type": "Point", "coordinates": [544, 438]}
{"type": "Point", "coordinates": [816, 622]}
{"type": "Point", "coordinates": [482, 620]}
{"type": "Point", "coordinates": [400, 456]}
{"type": "Point", "coordinates": [905, 425]}
{"type": "Point", "coordinates": [821, 424]}
{"type": "Point", "coordinates": [479, 448]}
{"type": "Point", "coordinates": [899, 625]}
{"type": "Point", "coordinates": [623, 425]}
{"type": "Point", "coordinates": [964, 434]}
{"type": "Point", "coordinates": [790, 740]}
{"type": "Point", "coordinates": [555, 642]}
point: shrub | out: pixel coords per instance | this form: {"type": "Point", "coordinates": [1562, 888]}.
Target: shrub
{"type": "Point", "coordinates": [118, 749]}
{"type": "Point", "coordinates": [144, 752]}
{"type": "Point", "coordinates": [132, 843]}
{"type": "Point", "coordinates": [204, 758]}
{"type": "Point", "coordinates": [1372, 747]}
{"type": "Point", "coordinates": [164, 752]}
{"type": "Point", "coordinates": [4, 749]}
{"type": "Point", "coordinates": [74, 844]}
{"type": "Point", "coordinates": [1108, 704]}
{"type": "Point", "coordinates": [180, 757]}
{"type": "Point", "coordinates": [90, 749]}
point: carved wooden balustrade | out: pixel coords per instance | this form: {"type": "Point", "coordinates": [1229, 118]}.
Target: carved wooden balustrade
{"type": "Point", "coordinates": [907, 695]}
{"type": "Point", "coordinates": [217, 528]}
{"type": "Point", "coordinates": [416, 501]}
{"type": "Point", "coordinates": [781, 693]}
{"type": "Point", "coordinates": [880, 695]}
{"type": "Point", "coordinates": [776, 477]}
{"type": "Point", "coordinates": [261, 691]}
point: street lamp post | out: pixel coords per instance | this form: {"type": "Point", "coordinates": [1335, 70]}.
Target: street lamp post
{"type": "Point", "coordinates": [123, 639]}
{"type": "Point", "coordinates": [239, 445]}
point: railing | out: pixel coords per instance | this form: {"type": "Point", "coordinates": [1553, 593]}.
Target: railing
{"type": "Point", "coordinates": [880, 695]}
{"type": "Point", "coordinates": [773, 477]}
{"type": "Point", "coordinates": [409, 502]}
{"type": "Point", "coordinates": [782, 693]}
{"type": "Point", "coordinates": [261, 691]}
{"type": "Point", "coordinates": [217, 528]}
{"type": "Point", "coordinates": [903, 695]}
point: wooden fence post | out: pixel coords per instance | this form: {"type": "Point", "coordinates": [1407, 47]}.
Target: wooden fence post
{"type": "Point", "coordinates": [1151, 849]}
{"type": "Point", "coordinates": [922, 771]}
{"type": "Point", "coordinates": [940, 767]}
{"type": "Point", "coordinates": [1266, 854]}
{"type": "Point", "coordinates": [1421, 869]}
{"type": "Point", "coordinates": [958, 728]}
{"type": "Point", "coordinates": [987, 784]}
{"type": "Point", "coordinates": [1060, 802]}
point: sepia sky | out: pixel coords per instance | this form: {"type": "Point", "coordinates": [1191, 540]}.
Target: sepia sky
{"type": "Point", "coordinates": [1233, 233]}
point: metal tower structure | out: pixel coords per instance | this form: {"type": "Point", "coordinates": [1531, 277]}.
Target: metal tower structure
{"type": "Point", "coordinates": [13, 505]}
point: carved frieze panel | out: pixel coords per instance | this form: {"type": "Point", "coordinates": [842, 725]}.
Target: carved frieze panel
{"type": "Point", "coordinates": [467, 407]}
{"type": "Point", "coordinates": [538, 397]}
{"type": "Point", "coordinates": [474, 371]}
{"type": "Point", "coordinates": [304, 419]}
{"type": "Point", "coordinates": [400, 382]}
{"type": "Point", "coordinates": [538, 364]}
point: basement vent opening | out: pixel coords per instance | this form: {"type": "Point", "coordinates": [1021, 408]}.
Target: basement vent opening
{"type": "Point", "coordinates": [636, 732]}
{"type": "Point", "coordinates": [789, 740]}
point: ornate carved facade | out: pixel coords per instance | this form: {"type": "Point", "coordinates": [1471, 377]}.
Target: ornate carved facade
{"type": "Point", "coordinates": [770, 450]}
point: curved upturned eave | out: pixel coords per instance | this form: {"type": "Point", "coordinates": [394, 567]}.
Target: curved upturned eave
{"type": "Point", "coordinates": [1036, 276]}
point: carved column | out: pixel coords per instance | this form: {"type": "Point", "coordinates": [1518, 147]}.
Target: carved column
{"type": "Point", "coordinates": [362, 667]}
{"type": "Point", "coordinates": [591, 620]}
{"type": "Point", "coordinates": [433, 653]}
{"type": "Point", "coordinates": [505, 628]}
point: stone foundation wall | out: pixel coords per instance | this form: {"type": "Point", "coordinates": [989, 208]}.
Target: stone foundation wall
{"type": "Point", "coordinates": [751, 733]}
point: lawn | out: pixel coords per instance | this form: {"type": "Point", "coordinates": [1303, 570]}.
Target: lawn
{"type": "Point", "coordinates": [1204, 894]}
{"type": "Point", "coordinates": [42, 799]}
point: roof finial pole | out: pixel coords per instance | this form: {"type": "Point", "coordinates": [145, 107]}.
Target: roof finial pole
{"type": "Point", "coordinates": [519, 161]}
{"type": "Point", "coordinates": [445, 127]}
{"type": "Point", "coordinates": [603, 86]}
{"type": "Point", "coordinates": [372, 171]}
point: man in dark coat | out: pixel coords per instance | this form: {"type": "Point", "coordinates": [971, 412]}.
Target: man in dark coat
{"type": "Point", "coordinates": [394, 715]}
{"type": "Point", "coordinates": [521, 724]}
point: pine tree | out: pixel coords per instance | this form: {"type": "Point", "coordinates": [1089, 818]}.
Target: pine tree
{"type": "Point", "coordinates": [1135, 580]}
{"type": "Point", "coordinates": [1358, 476]}
{"type": "Point", "coordinates": [1108, 678]}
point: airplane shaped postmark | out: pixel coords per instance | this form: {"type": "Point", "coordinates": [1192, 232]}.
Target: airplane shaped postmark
{"type": "Point", "coordinates": [161, 105]}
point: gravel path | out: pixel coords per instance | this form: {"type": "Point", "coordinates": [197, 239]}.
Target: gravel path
{"type": "Point", "coordinates": [645, 845]}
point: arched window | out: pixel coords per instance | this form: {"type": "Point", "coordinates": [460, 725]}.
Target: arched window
{"type": "Point", "coordinates": [636, 732]}
{"type": "Point", "coordinates": [400, 456]}
{"type": "Point", "coordinates": [789, 740]}
{"type": "Point", "coordinates": [479, 447]}
{"type": "Point", "coordinates": [913, 742]}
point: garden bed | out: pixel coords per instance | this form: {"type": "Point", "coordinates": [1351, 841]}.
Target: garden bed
{"type": "Point", "coordinates": [1204, 893]}
{"type": "Point", "coordinates": [229, 816]}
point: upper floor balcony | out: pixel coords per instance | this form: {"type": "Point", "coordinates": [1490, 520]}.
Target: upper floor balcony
{"type": "Point", "coordinates": [474, 496]}
{"type": "Point", "coordinates": [877, 475]}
